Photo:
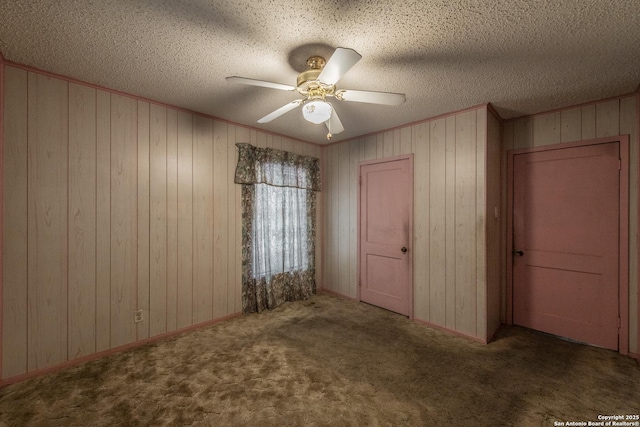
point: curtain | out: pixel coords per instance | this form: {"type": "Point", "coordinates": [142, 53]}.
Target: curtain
{"type": "Point", "coordinates": [278, 226]}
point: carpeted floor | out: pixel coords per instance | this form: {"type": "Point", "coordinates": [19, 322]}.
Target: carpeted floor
{"type": "Point", "coordinates": [332, 362]}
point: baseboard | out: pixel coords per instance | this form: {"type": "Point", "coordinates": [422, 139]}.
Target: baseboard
{"type": "Point", "coordinates": [423, 322]}
{"type": "Point", "coordinates": [450, 331]}
{"type": "Point", "coordinates": [338, 294]}
{"type": "Point", "coordinates": [94, 356]}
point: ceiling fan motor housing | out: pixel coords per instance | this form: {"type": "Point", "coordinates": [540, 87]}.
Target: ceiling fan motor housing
{"type": "Point", "coordinates": [308, 83]}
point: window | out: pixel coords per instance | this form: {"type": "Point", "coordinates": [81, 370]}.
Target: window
{"type": "Point", "coordinates": [278, 226]}
{"type": "Point", "coordinates": [280, 230]}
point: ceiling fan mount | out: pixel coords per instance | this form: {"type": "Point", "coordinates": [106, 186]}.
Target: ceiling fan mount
{"type": "Point", "coordinates": [318, 82]}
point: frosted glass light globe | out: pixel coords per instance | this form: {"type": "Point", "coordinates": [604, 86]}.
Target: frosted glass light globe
{"type": "Point", "coordinates": [317, 111]}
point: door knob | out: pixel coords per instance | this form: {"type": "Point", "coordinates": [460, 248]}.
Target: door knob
{"type": "Point", "coordinates": [404, 249]}
{"type": "Point", "coordinates": [519, 253]}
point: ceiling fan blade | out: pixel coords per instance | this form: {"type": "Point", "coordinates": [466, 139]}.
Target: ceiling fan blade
{"type": "Point", "coordinates": [280, 111]}
{"type": "Point", "coordinates": [261, 83]}
{"type": "Point", "coordinates": [340, 62]}
{"type": "Point", "coordinates": [385, 98]}
{"type": "Point", "coordinates": [334, 124]}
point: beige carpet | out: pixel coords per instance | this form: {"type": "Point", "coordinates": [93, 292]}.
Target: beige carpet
{"type": "Point", "coordinates": [332, 362]}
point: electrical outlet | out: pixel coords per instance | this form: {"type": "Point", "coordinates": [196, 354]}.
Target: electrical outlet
{"type": "Point", "coordinates": [138, 316]}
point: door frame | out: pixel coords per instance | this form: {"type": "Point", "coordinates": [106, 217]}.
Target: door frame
{"type": "Point", "coordinates": [411, 236]}
{"type": "Point", "coordinates": [623, 263]}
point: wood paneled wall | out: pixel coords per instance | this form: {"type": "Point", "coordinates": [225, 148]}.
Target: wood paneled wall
{"type": "Point", "coordinates": [496, 223]}
{"type": "Point", "coordinates": [113, 204]}
{"type": "Point", "coordinates": [450, 216]}
{"type": "Point", "coordinates": [596, 120]}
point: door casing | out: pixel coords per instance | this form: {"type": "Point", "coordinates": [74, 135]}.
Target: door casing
{"type": "Point", "coordinates": [623, 284]}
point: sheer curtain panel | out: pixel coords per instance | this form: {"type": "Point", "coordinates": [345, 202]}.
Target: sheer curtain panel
{"type": "Point", "coordinates": [278, 226]}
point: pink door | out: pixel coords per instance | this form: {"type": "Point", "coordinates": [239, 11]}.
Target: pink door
{"type": "Point", "coordinates": [386, 215]}
{"type": "Point", "coordinates": [566, 231]}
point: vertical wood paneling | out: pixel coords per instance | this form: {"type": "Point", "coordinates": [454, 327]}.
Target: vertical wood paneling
{"type": "Point", "coordinates": [103, 221]}
{"type": "Point", "coordinates": [328, 220]}
{"type": "Point", "coordinates": [57, 234]}
{"type": "Point", "coordinates": [571, 125]}
{"type": "Point", "coordinates": [109, 207]}
{"type": "Point", "coordinates": [202, 219]}
{"type": "Point", "coordinates": [438, 221]}
{"type": "Point", "coordinates": [508, 135]}
{"type": "Point", "coordinates": [157, 220]}
{"type": "Point", "coordinates": [276, 142]}
{"type": "Point", "coordinates": [588, 122]}
{"type": "Point", "coordinates": [288, 145]}
{"type": "Point", "coordinates": [185, 219]}
{"type": "Point", "coordinates": [394, 135]}
{"type": "Point", "coordinates": [47, 220]}
{"type": "Point", "coordinates": [320, 154]}
{"type": "Point", "coordinates": [14, 223]}
{"type": "Point", "coordinates": [523, 133]}
{"type": "Point", "coordinates": [328, 237]}
{"type": "Point", "coordinates": [234, 216]}
{"type": "Point", "coordinates": [124, 204]}
{"type": "Point", "coordinates": [220, 219]}
{"type": "Point", "coordinates": [406, 139]}
{"type": "Point", "coordinates": [82, 224]}
{"type": "Point", "coordinates": [380, 150]}
{"type": "Point", "coordinates": [355, 156]}
{"type": "Point", "coordinates": [242, 135]}
{"type": "Point", "coordinates": [546, 129]}
{"type": "Point", "coordinates": [144, 256]}
{"type": "Point", "coordinates": [388, 145]}
{"type": "Point", "coordinates": [607, 118]}
{"type": "Point", "coordinates": [346, 287]}
{"type": "Point", "coordinates": [494, 240]}
{"type": "Point", "coordinates": [481, 219]}
{"type": "Point", "coordinates": [334, 220]}
{"type": "Point", "coordinates": [370, 147]}
{"type": "Point", "coordinates": [450, 213]}
{"type": "Point", "coordinates": [172, 219]}
{"type": "Point", "coordinates": [421, 199]}
{"type": "Point", "coordinates": [260, 139]}
{"type": "Point", "coordinates": [464, 234]}
{"type": "Point", "coordinates": [450, 222]}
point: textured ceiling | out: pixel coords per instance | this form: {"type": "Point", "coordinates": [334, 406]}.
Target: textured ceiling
{"type": "Point", "coordinates": [445, 55]}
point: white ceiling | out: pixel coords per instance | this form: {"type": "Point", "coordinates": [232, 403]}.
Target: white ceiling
{"type": "Point", "coordinates": [523, 56]}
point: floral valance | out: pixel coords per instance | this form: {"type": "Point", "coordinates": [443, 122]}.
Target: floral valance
{"type": "Point", "coordinates": [276, 167]}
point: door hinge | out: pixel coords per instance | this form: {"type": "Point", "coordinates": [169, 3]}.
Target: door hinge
{"type": "Point", "coordinates": [619, 164]}
{"type": "Point", "coordinates": [360, 180]}
{"type": "Point", "coordinates": [359, 283]}
{"type": "Point", "coordinates": [619, 323]}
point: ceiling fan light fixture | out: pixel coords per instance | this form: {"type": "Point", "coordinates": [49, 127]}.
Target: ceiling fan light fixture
{"type": "Point", "coordinates": [319, 82]}
{"type": "Point", "coordinates": [317, 111]}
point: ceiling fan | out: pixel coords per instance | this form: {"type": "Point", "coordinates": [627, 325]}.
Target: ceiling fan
{"type": "Point", "coordinates": [319, 82]}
